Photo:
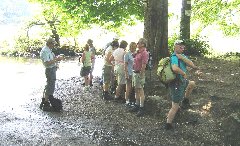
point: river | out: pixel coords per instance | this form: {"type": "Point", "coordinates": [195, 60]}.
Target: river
{"type": "Point", "coordinates": [21, 76]}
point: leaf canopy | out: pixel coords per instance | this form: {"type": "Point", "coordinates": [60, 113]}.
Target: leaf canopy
{"type": "Point", "coordinates": [114, 12]}
{"type": "Point", "coordinates": [224, 13]}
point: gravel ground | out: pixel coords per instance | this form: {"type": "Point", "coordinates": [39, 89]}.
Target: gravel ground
{"type": "Point", "coordinates": [88, 120]}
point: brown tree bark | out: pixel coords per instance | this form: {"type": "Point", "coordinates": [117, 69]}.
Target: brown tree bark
{"type": "Point", "coordinates": [185, 20]}
{"type": "Point", "coordinates": [156, 28]}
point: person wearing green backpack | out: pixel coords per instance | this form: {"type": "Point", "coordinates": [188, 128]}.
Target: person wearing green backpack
{"type": "Point", "coordinates": [181, 87]}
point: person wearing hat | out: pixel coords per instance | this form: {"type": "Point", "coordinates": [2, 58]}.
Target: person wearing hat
{"type": "Point", "coordinates": [181, 87]}
{"type": "Point", "coordinates": [49, 61]}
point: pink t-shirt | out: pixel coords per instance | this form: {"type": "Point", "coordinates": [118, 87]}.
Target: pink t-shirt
{"type": "Point", "coordinates": [140, 59]}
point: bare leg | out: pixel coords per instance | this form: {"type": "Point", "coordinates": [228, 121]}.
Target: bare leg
{"type": "Point", "coordinates": [137, 96]}
{"type": "Point", "coordinates": [118, 90]}
{"type": "Point", "coordinates": [142, 97]}
{"type": "Point", "coordinates": [86, 78]}
{"type": "Point", "coordinates": [172, 112]}
{"type": "Point", "coordinates": [189, 89]}
{"type": "Point", "coordinates": [128, 90]}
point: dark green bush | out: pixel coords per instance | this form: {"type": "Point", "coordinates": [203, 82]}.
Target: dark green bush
{"type": "Point", "coordinates": [194, 47]}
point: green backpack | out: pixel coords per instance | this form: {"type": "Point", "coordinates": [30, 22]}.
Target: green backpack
{"type": "Point", "coordinates": [164, 71]}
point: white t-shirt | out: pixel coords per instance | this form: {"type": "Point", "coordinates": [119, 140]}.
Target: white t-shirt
{"type": "Point", "coordinates": [118, 55]}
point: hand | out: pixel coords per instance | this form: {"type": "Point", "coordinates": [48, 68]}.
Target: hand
{"type": "Point", "coordinates": [179, 56]}
{"type": "Point", "coordinates": [59, 57]}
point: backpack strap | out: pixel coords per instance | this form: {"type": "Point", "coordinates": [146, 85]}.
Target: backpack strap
{"type": "Point", "coordinates": [177, 75]}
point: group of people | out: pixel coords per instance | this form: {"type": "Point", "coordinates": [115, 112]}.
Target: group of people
{"type": "Point", "coordinates": [128, 67]}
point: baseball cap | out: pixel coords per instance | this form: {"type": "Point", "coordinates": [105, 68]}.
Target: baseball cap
{"type": "Point", "coordinates": [179, 42]}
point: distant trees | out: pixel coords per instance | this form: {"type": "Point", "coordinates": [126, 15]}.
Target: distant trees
{"type": "Point", "coordinates": [74, 15]}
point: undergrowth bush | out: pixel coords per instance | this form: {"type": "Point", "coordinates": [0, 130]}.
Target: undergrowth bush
{"type": "Point", "coordinates": [194, 47]}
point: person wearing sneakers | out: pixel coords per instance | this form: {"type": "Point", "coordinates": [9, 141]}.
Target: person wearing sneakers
{"type": "Point", "coordinates": [180, 88]}
{"type": "Point", "coordinates": [86, 60]}
{"type": "Point", "coordinates": [118, 57]}
{"type": "Point", "coordinates": [139, 66]}
{"type": "Point", "coordinates": [49, 61]}
{"type": "Point", "coordinates": [108, 69]}
{"type": "Point", "coordinates": [128, 69]}
{"type": "Point", "coordinates": [93, 50]}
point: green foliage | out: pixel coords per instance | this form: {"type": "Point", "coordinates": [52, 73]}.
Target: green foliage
{"type": "Point", "coordinates": [233, 56]}
{"type": "Point", "coordinates": [171, 41]}
{"type": "Point", "coordinates": [107, 12]}
{"type": "Point", "coordinates": [223, 13]}
{"type": "Point", "coordinates": [25, 47]}
{"type": "Point", "coordinates": [194, 47]}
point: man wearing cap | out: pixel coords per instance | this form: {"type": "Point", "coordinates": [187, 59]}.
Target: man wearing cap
{"type": "Point", "coordinates": [180, 88]}
{"type": "Point", "coordinates": [49, 61]}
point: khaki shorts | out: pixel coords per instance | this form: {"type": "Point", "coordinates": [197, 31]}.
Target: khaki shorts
{"type": "Point", "coordinates": [107, 74]}
{"type": "Point", "coordinates": [120, 75]}
{"type": "Point", "coordinates": [138, 81]}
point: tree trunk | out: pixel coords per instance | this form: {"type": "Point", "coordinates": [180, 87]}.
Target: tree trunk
{"type": "Point", "coordinates": [156, 28]}
{"type": "Point", "coordinates": [185, 20]}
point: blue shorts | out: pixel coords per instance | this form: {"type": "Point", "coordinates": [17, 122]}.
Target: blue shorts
{"type": "Point", "coordinates": [177, 90]}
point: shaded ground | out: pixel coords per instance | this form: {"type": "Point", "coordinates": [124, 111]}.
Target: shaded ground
{"type": "Point", "coordinates": [89, 120]}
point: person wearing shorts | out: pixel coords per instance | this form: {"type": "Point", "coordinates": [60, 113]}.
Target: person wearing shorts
{"type": "Point", "coordinates": [118, 57]}
{"type": "Point", "coordinates": [87, 63]}
{"type": "Point", "coordinates": [180, 88]}
{"type": "Point", "coordinates": [108, 69]}
{"type": "Point", "coordinates": [93, 50]}
{"type": "Point", "coordinates": [128, 69]}
{"type": "Point", "coordinates": [139, 66]}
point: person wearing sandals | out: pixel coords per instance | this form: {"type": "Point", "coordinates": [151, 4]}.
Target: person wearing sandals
{"type": "Point", "coordinates": [49, 61]}
{"type": "Point", "coordinates": [128, 69]}
{"type": "Point", "coordinates": [180, 88]}
{"type": "Point", "coordinates": [139, 66]}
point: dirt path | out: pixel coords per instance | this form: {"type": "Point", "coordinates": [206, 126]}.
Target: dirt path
{"type": "Point", "coordinates": [89, 120]}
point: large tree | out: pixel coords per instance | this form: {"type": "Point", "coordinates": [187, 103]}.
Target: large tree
{"type": "Point", "coordinates": [156, 28]}
{"type": "Point", "coordinates": [114, 13]}
{"type": "Point", "coordinates": [185, 19]}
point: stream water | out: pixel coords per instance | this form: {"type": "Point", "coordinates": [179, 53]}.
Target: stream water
{"type": "Point", "coordinates": [21, 83]}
